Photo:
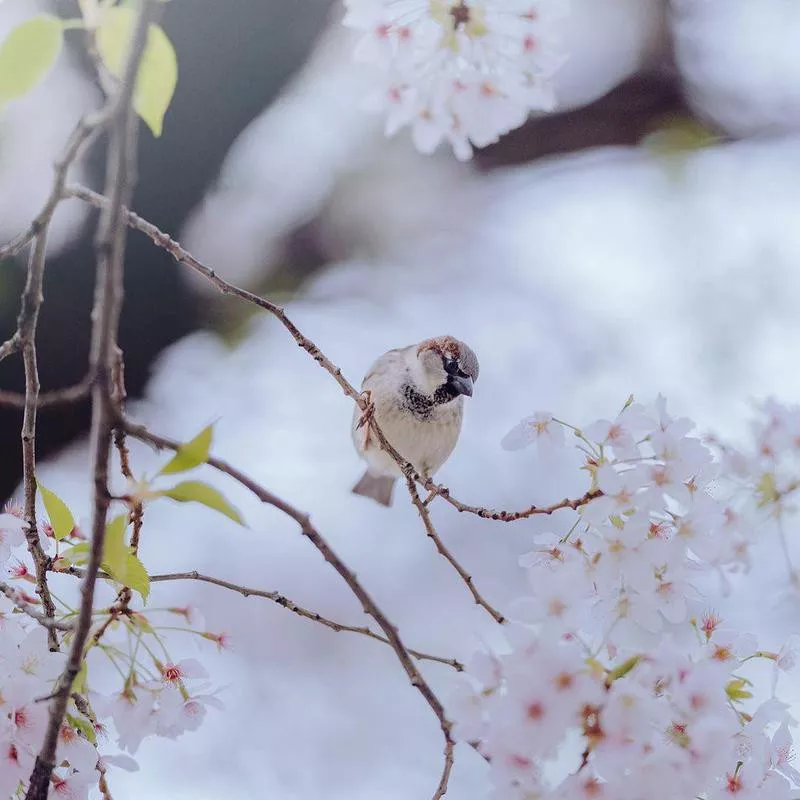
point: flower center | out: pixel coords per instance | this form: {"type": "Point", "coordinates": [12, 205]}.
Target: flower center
{"type": "Point", "coordinates": [460, 15]}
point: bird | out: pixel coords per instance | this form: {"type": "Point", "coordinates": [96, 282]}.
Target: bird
{"type": "Point", "coordinates": [416, 396]}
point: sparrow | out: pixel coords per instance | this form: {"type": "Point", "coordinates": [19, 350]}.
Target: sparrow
{"type": "Point", "coordinates": [416, 395]}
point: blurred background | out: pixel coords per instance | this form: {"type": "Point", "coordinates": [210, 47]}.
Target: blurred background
{"type": "Point", "coordinates": [644, 238]}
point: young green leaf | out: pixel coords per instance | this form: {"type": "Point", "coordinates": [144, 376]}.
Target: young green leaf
{"type": "Point", "coordinates": [83, 725]}
{"type": "Point", "coordinates": [136, 576]}
{"type": "Point", "coordinates": [120, 563]}
{"type": "Point", "coordinates": [60, 516]}
{"type": "Point", "coordinates": [190, 455]}
{"type": "Point", "coordinates": [27, 54]}
{"type": "Point", "coordinates": [82, 678]}
{"type": "Point", "coordinates": [158, 71]}
{"type": "Point", "coordinates": [199, 492]}
{"type": "Point", "coordinates": [115, 551]}
{"type": "Point", "coordinates": [78, 554]}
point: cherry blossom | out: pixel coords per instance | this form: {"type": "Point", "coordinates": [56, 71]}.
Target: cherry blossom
{"type": "Point", "coordinates": [540, 429]}
{"type": "Point", "coordinates": [459, 71]}
{"type": "Point", "coordinates": [609, 652]}
{"type": "Point", "coordinates": [11, 535]}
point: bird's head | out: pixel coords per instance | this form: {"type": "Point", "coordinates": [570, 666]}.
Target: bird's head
{"type": "Point", "coordinates": [445, 366]}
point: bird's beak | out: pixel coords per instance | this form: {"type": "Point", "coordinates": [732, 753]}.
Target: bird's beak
{"type": "Point", "coordinates": [463, 385]}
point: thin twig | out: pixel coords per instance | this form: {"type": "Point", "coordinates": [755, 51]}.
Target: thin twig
{"type": "Point", "coordinates": [24, 339]}
{"type": "Point", "coordinates": [120, 395]}
{"type": "Point", "coordinates": [441, 789]}
{"type": "Point", "coordinates": [11, 346]}
{"type": "Point", "coordinates": [289, 605]}
{"type": "Point", "coordinates": [511, 516]}
{"type": "Point", "coordinates": [443, 551]}
{"type": "Point", "coordinates": [69, 394]}
{"type": "Point", "coordinates": [367, 603]}
{"type": "Point", "coordinates": [279, 599]}
{"type": "Point", "coordinates": [48, 622]}
{"type": "Point", "coordinates": [184, 257]}
{"type": "Point", "coordinates": [110, 246]}
{"type": "Point", "coordinates": [27, 323]}
{"type": "Point", "coordinates": [81, 137]}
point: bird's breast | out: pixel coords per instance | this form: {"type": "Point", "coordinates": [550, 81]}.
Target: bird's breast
{"type": "Point", "coordinates": [425, 439]}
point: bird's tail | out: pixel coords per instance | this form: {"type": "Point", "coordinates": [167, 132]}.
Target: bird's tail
{"type": "Point", "coordinates": [378, 487]}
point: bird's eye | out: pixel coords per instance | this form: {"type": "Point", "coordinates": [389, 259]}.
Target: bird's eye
{"type": "Point", "coordinates": [451, 366]}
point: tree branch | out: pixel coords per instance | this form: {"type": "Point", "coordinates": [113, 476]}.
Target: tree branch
{"type": "Point", "coordinates": [367, 603]}
{"type": "Point", "coordinates": [443, 551]}
{"type": "Point", "coordinates": [44, 620]}
{"type": "Point", "coordinates": [511, 516]}
{"type": "Point", "coordinates": [283, 602]}
{"type": "Point", "coordinates": [182, 256]}
{"type": "Point", "coordinates": [87, 128]}
{"type": "Point", "coordinates": [289, 605]}
{"type": "Point", "coordinates": [69, 394]}
{"type": "Point", "coordinates": [32, 299]}
{"type": "Point", "coordinates": [24, 339]}
{"type": "Point", "coordinates": [110, 246]}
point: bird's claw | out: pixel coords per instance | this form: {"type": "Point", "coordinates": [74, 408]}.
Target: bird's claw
{"type": "Point", "coordinates": [369, 409]}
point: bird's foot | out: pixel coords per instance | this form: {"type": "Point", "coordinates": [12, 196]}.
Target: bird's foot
{"type": "Point", "coordinates": [369, 409]}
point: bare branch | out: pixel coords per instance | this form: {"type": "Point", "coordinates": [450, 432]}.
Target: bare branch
{"type": "Point", "coordinates": [25, 607]}
{"type": "Point", "coordinates": [69, 394]}
{"type": "Point", "coordinates": [184, 257]}
{"type": "Point", "coordinates": [81, 137]}
{"type": "Point", "coordinates": [367, 603]}
{"type": "Point", "coordinates": [110, 246]}
{"type": "Point", "coordinates": [289, 605]}
{"type": "Point", "coordinates": [511, 516]}
{"type": "Point", "coordinates": [32, 299]}
{"type": "Point", "coordinates": [441, 789]}
{"type": "Point", "coordinates": [9, 347]}
{"type": "Point", "coordinates": [279, 599]}
{"type": "Point", "coordinates": [24, 339]}
{"type": "Point", "coordinates": [443, 551]}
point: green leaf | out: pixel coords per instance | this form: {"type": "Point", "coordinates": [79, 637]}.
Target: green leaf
{"type": "Point", "coordinates": [120, 562]}
{"type": "Point", "coordinates": [115, 551]}
{"type": "Point", "coordinates": [84, 726]}
{"type": "Point", "coordinates": [78, 554]}
{"type": "Point", "coordinates": [60, 516]}
{"type": "Point", "coordinates": [624, 668]}
{"type": "Point", "coordinates": [199, 492]}
{"type": "Point", "coordinates": [27, 54]}
{"type": "Point", "coordinates": [81, 679]}
{"type": "Point", "coordinates": [136, 576]}
{"type": "Point", "coordinates": [736, 691]}
{"type": "Point", "coordinates": [190, 455]}
{"type": "Point", "coordinates": [158, 71]}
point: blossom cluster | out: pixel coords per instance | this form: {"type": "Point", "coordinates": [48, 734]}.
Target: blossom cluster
{"type": "Point", "coordinates": [462, 71]}
{"type": "Point", "coordinates": [149, 694]}
{"type": "Point", "coordinates": [764, 477]}
{"type": "Point", "coordinates": [618, 681]}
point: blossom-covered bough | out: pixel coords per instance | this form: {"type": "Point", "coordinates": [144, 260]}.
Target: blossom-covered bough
{"type": "Point", "coordinates": [619, 677]}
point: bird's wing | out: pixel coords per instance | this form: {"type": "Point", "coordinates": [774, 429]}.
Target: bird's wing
{"type": "Point", "coordinates": [386, 361]}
